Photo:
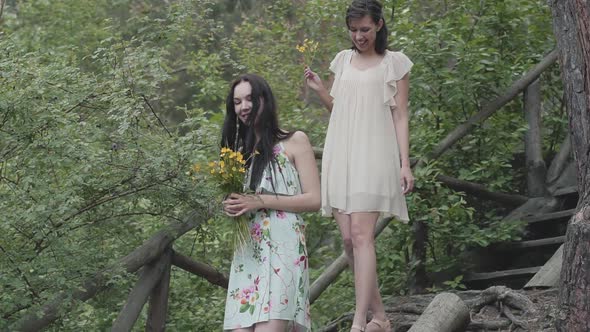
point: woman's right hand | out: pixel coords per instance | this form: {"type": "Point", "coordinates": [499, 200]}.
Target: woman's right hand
{"type": "Point", "coordinates": [312, 79]}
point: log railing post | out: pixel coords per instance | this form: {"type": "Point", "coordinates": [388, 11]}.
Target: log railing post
{"type": "Point", "coordinates": [559, 162]}
{"type": "Point", "coordinates": [535, 165]}
{"type": "Point", "coordinates": [158, 305]}
{"type": "Point", "coordinates": [150, 275]}
{"type": "Point", "coordinates": [418, 284]}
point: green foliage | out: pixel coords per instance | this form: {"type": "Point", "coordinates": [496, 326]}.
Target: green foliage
{"type": "Point", "coordinates": [103, 112]}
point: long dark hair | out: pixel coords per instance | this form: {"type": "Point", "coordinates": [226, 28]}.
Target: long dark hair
{"type": "Point", "coordinates": [372, 8]}
{"type": "Point", "coordinates": [262, 120]}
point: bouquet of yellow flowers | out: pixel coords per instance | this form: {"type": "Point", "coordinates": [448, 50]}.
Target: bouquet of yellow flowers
{"type": "Point", "coordinates": [228, 174]}
{"type": "Point", "coordinates": [308, 49]}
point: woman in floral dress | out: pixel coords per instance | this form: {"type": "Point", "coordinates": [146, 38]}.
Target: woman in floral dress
{"type": "Point", "coordinates": [269, 281]}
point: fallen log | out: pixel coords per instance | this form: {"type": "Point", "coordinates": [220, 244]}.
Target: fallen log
{"type": "Point", "coordinates": [446, 313]}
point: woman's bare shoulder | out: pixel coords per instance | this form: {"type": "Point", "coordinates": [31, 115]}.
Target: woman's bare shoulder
{"type": "Point", "coordinates": [296, 144]}
{"type": "Point", "coordinates": [299, 137]}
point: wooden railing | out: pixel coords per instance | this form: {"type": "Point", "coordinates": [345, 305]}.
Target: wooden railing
{"type": "Point", "coordinates": [155, 257]}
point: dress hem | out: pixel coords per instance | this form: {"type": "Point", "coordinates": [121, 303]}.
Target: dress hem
{"type": "Point", "coordinates": [382, 213]}
{"type": "Point", "coordinates": [289, 321]}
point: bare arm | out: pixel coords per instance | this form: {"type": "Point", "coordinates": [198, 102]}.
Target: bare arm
{"type": "Point", "coordinates": [401, 123]}
{"type": "Point", "coordinates": [301, 154]}
{"type": "Point", "coordinates": [314, 81]}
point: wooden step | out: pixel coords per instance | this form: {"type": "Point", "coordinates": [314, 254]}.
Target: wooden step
{"type": "Point", "coordinates": [566, 191]}
{"type": "Point", "coordinates": [549, 216]}
{"type": "Point", "coordinates": [533, 243]}
{"type": "Point", "coordinates": [479, 276]}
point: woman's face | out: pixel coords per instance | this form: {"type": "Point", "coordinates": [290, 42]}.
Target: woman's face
{"type": "Point", "coordinates": [243, 101]}
{"type": "Point", "coordinates": [363, 32]}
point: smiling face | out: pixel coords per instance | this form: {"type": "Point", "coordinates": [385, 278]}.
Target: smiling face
{"type": "Point", "coordinates": [363, 32]}
{"type": "Point", "coordinates": [243, 101]}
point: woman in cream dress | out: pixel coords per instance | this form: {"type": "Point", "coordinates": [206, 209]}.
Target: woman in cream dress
{"type": "Point", "coordinates": [365, 166]}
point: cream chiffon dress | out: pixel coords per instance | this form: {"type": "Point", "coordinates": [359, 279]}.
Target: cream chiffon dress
{"type": "Point", "coordinates": [361, 161]}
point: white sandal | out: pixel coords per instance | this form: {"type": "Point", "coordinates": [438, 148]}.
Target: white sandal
{"type": "Point", "coordinates": [384, 325]}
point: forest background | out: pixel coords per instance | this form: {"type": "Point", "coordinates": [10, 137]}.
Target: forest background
{"type": "Point", "coordinates": [106, 106]}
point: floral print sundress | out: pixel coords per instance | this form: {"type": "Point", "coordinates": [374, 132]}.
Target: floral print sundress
{"type": "Point", "coordinates": [269, 276]}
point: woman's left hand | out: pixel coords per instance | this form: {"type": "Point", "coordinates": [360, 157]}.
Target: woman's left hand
{"type": "Point", "coordinates": [237, 204]}
{"type": "Point", "coordinates": [407, 179]}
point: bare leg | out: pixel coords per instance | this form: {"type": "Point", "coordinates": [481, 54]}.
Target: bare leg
{"type": "Point", "coordinates": [344, 222]}
{"type": "Point", "coordinates": [362, 228]}
{"type": "Point", "coordinates": [247, 329]}
{"type": "Point", "coordinates": [273, 325]}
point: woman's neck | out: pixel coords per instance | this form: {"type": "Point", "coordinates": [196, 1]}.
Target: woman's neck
{"type": "Point", "coordinates": [368, 53]}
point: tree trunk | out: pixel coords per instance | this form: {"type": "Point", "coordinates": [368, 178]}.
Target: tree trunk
{"type": "Point", "coordinates": [571, 26]}
{"type": "Point", "coordinates": [446, 313]}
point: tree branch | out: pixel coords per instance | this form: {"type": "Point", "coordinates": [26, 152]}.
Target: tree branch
{"type": "Point", "coordinates": [105, 199]}
{"type": "Point", "coordinates": [156, 115]}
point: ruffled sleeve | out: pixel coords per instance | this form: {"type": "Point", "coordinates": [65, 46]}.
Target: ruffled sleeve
{"type": "Point", "coordinates": [397, 65]}
{"type": "Point", "coordinates": [338, 62]}
{"type": "Point", "coordinates": [336, 67]}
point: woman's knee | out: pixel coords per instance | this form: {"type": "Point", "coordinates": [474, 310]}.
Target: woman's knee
{"type": "Point", "coordinates": [361, 238]}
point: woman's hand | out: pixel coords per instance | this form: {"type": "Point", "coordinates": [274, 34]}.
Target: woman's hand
{"type": "Point", "coordinates": [313, 80]}
{"type": "Point", "coordinates": [407, 179]}
{"type": "Point", "coordinates": [237, 204]}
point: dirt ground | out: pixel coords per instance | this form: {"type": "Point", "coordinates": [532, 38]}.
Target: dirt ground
{"type": "Point", "coordinates": [530, 310]}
